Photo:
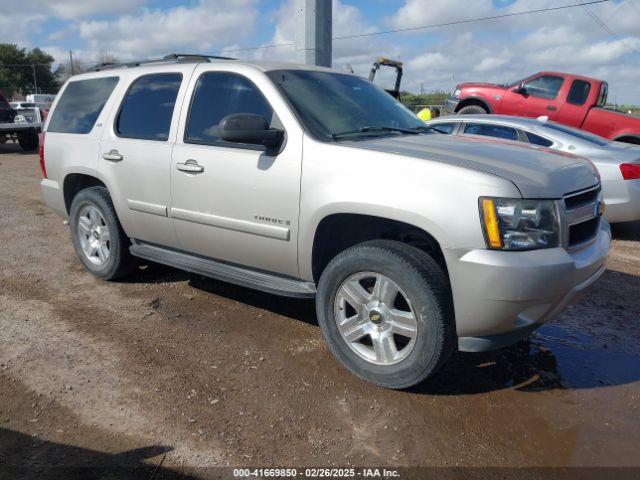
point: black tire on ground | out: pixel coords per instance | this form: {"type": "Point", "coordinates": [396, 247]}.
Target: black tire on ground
{"type": "Point", "coordinates": [28, 140]}
{"type": "Point", "coordinates": [472, 110]}
{"type": "Point", "coordinates": [429, 295]}
{"type": "Point", "coordinates": [120, 261]}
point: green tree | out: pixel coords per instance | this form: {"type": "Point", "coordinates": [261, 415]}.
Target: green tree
{"type": "Point", "coordinates": [26, 71]}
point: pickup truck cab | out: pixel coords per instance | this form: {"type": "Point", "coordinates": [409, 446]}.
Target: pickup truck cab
{"type": "Point", "coordinates": [573, 100]}
{"type": "Point", "coordinates": [307, 182]}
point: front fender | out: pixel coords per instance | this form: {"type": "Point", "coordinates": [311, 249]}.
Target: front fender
{"type": "Point", "coordinates": [437, 198]}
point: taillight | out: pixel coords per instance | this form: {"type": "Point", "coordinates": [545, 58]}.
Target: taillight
{"type": "Point", "coordinates": [43, 167]}
{"type": "Point", "coordinates": [630, 171]}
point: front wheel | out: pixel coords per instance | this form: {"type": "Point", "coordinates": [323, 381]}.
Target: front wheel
{"type": "Point", "coordinates": [386, 313]}
{"type": "Point", "coordinates": [472, 110]}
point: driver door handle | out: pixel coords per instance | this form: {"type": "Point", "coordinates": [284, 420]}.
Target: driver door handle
{"type": "Point", "coordinates": [112, 156]}
{"type": "Point", "coordinates": [190, 166]}
{"type": "Point", "coordinates": [552, 108]}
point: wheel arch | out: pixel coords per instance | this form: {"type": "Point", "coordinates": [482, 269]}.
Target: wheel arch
{"type": "Point", "coordinates": [629, 138]}
{"type": "Point", "coordinates": [479, 101]}
{"type": "Point", "coordinates": [356, 228]}
{"type": "Point", "coordinates": [73, 183]}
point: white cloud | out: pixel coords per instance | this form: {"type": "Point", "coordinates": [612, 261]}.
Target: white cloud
{"type": "Point", "coordinates": [73, 9]}
{"type": "Point", "coordinates": [418, 13]}
{"type": "Point", "coordinates": [202, 27]}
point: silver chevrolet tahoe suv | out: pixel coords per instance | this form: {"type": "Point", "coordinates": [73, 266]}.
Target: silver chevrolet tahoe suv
{"type": "Point", "coordinates": [307, 182]}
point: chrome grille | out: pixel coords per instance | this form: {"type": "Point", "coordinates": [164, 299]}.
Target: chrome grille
{"type": "Point", "coordinates": [582, 214]}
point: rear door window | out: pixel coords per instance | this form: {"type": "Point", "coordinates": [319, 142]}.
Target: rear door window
{"type": "Point", "coordinates": [81, 104]}
{"type": "Point", "coordinates": [579, 92]}
{"type": "Point", "coordinates": [147, 109]}
{"type": "Point", "coordinates": [489, 130]}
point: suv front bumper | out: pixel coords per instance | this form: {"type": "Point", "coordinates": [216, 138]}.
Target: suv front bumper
{"type": "Point", "coordinates": [501, 297]}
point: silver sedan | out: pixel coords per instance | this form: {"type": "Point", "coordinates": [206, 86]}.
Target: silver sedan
{"type": "Point", "coordinates": [618, 163]}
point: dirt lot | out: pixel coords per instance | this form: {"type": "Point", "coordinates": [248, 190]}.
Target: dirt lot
{"type": "Point", "coordinates": [172, 365]}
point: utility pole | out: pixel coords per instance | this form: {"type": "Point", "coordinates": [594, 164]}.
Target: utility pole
{"type": "Point", "coordinates": [313, 32]}
{"type": "Point", "coordinates": [71, 63]}
{"type": "Point", "coordinates": [35, 82]}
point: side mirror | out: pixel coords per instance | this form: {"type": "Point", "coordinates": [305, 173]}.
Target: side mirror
{"type": "Point", "coordinates": [520, 89]}
{"type": "Point", "coordinates": [249, 128]}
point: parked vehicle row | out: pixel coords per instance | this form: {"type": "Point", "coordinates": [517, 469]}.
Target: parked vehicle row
{"type": "Point", "coordinates": [572, 100]}
{"type": "Point", "coordinates": [618, 163]}
{"type": "Point", "coordinates": [309, 182]}
{"type": "Point", "coordinates": [23, 124]}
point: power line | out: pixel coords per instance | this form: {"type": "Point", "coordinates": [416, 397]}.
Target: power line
{"type": "Point", "coordinates": [472, 20]}
{"type": "Point", "coordinates": [409, 29]}
{"type": "Point", "coordinates": [435, 25]}
{"type": "Point", "coordinates": [606, 28]}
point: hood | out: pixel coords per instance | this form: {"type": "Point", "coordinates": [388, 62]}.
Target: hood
{"type": "Point", "coordinates": [536, 172]}
{"type": "Point", "coordinates": [480, 85]}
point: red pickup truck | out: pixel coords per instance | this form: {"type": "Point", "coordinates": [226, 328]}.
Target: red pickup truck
{"type": "Point", "coordinates": [565, 98]}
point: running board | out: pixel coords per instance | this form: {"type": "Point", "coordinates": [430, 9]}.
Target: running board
{"type": "Point", "coordinates": [267, 282]}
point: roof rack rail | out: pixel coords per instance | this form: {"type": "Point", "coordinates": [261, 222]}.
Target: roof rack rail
{"type": "Point", "coordinates": [171, 58]}
{"type": "Point", "coordinates": [195, 56]}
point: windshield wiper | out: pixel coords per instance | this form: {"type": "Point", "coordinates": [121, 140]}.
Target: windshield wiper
{"type": "Point", "coordinates": [373, 129]}
{"type": "Point", "coordinates": [430, 128]}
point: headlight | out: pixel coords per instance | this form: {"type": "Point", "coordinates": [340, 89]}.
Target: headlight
{"type": "Point", "coordinates": [456, 93]}
{"type": "Point", "coordinates": [517, 224]}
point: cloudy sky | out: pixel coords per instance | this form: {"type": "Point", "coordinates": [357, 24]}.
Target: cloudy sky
{"type": "Point", "coordinates": [601, 40]}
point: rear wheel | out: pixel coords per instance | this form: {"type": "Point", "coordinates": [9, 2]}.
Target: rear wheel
{"type": "Point", "coordinates": [98, 238]}
{"type": "Point", "coordinates": [28, 140]}
{"type": "Point", "coordinates": [472, 110]}
{"type": "Point", "coordinates": [630, 139]}
{"type": "Point", "coordinates": [385, 310]}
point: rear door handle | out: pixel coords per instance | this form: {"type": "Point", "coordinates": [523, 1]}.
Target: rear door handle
{"type": "Point", "coordinates": [552, 108]}
{"type": "Point", "coordinates": [113, 156]}
{"type": "Point", "coordinates": [190, 166]}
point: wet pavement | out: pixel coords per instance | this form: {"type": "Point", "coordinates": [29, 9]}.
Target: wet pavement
{"type": "Point", "coordinates": [195, 373]}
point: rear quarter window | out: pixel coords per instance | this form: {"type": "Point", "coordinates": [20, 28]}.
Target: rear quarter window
{"type": "Point", "coordinates": [81, 104]}
{"type": "Point", "coordinates": [579, 92]}
{"type": "Point", "coordinates": [538, 140]}
{"type": "Point", "coordinates": [147, 109]}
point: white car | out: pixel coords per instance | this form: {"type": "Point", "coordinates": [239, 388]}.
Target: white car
{"type": "Point", "coordinates": [618, 163]}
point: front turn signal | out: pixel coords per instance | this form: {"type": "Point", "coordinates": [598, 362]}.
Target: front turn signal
{"type": "Point", "coordinates": [491, 226]}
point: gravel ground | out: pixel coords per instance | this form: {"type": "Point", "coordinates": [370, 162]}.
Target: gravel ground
{"type": "Point", "coordinates": [171, 368]}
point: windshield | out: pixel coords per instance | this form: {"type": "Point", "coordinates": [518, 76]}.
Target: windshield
{"type": "Point", "coordinates": [331, 104]}
{"type": "Point", "coordinates": [516, 83]}
{"type": "Point", "coordinates": [581, 134]}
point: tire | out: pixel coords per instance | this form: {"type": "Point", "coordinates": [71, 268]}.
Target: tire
{"type": "Point", "coordinates": [29, 140]}
{"type": "Point", "coordinates": [472, 110]}
{"type": "Point", "coordinates": [98, 238]}
{"type": "Point", "coordinates": [424, 286]}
